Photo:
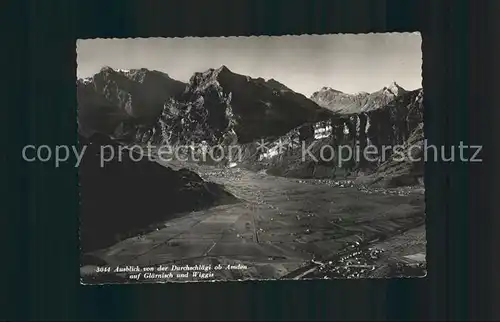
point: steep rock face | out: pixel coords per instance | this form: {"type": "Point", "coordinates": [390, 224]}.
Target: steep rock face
{"type": "Point", "coordinates": [383, 125]}
{"type": "Point", "coordinates": [97, 114]}
{"type": "Point", "coordinates": [401, 169]}
{"type": "Point", "coordinates": [393, 123]}
{"type": "Point", "coordinates": [389, 126]}
{"type": "Point", "coordinates": [115, 102]}
{"type": "Point", "coordinates": [235, 108]}
{"type": "Point", "coordinates": [126, 196]}
{"type": "Point", "coordinates": [301, 154]}
{"type": "Point", "coordinates": [186, 122]}
{"type": "Point", "coordinates": [380, 119]}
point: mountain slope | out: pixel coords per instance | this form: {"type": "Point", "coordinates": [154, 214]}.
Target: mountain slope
{"type": "Point", "coordinates": [113, 100]}
{"type": "Point", "coordinates": [126, 196]}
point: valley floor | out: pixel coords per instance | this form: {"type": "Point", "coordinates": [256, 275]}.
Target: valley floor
{"type": "Point", "coordinates": [284, 228]}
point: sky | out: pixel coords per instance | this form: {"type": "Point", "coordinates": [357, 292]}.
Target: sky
{"type": "Point", "coordinates": [347, 62]}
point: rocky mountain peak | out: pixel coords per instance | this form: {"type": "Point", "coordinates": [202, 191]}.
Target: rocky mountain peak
{"type": "Point", "coordinates": [394, 89]}
{"type": "Point", "coordinates": [210, 77]}
{"type": "Point", "coordinates": [111, 100]}
{"type": "Point", "coordinates": [136, 75]}
{"type": "Point", "coordinates": [106, 69]}
{"type": "Point", "coordinates": [338, 101]}
{"type": "Point", "coordinates": [84, 81]}
{"type": "Point", "coordinates": [222, 69]}
{"type": "Point", "coordinates": [218, 101]}
{"type": "Point", "coordinates": [330, 90]}
{"type": "Point", "coordinates": [359, 102]}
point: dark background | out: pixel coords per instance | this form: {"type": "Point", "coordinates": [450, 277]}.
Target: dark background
{"type": "Point", "coordinates": [40, 256]}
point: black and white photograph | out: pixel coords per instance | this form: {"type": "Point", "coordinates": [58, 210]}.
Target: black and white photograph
{"type": "Point", "coordinates": [211, 159]}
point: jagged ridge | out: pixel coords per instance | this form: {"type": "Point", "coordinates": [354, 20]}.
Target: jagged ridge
{"type": "Point", "coordinates": [344, 103]}
{"type": "Point", "coordinates": [112, 102]}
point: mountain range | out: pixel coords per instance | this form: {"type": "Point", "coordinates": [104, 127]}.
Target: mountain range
{"type": "Point", "coordinates": [218, 106]}
{"type": "Point", "coordinates": [338, 101]}
{"type": "Point", "coordinates": [142, 105]}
